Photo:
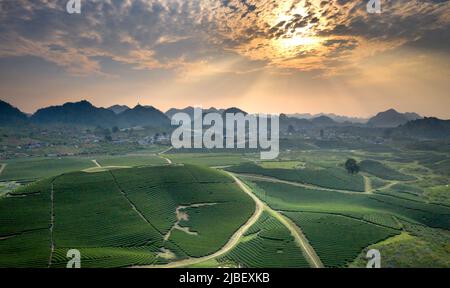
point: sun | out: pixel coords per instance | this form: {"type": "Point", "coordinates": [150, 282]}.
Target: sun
{"type": "Point", "coordinates": [302, 39]}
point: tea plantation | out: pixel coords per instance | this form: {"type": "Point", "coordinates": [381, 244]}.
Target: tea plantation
{"type": "Point", "coordinates": [120, 218]}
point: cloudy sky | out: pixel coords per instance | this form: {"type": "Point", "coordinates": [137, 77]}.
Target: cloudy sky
{"type": "Point", "coordinates": [261, 55]}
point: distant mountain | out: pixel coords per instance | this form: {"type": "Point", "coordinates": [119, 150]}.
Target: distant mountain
{"type": "Point", "coordinates": [79, 113]}
{"type": "Point", "coordinates": [336, 118]}
{"type": "Point", "coordinates": [190, 111]}
{"type": "Point", "coordinates": [323, 121]}
{"type": "Point", "coordinates": [117, 109]}
{"type": "Point", "coordinates": [429, 128]}
{"type": "Point", "coordinates": [233, 110]}
{"type": "Point", "coordinates": [143, 116]}
{"type": "Point", "coordinates": [391, 118]}
{"type": "Point", "coordinates": [10, 114]}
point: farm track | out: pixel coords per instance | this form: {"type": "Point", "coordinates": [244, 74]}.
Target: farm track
{"type": "Point", "coordinates": [299, 237]}
{"type": "Point", "coordinates": [161, 155]}
{"type": "Point", "coordinates": [296, 232]}
{"type": "Point", "coordinates": [96, 163]}
{"type": "Point", "coordinates": [52, 225]}
{"type": "Point", "coordinates": [307, 186]}
{"type": "Point", "coordinates": [2, 167]}
{"type": "Point", "coordinates": [367, 185]}
{"type": "Point", "coordinates": [232, 242]}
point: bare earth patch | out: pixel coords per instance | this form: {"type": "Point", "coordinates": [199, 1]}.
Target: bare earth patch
{"type": "Point", "coordinates": [183, 216]}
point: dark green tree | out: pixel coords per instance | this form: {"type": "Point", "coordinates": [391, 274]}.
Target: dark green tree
{"type": "Point", "coordinates": [352, 166]}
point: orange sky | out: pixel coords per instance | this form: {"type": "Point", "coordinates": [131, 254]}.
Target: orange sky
{"type": "Point", "coordinates": [263, 56]}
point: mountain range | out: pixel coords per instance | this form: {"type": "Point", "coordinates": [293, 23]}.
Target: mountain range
{"type": "Point", "coordinates": [84, 113]}
{"type": "Point", "coordinates": [336, 118]}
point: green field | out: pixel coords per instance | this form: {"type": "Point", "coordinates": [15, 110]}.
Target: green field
{"type": "Point", "coordinates": [130, 160]}
{"type": "Point", "coordinates": [105, 215]}
{"type": "Point", "coordinates": [379, 208]}
{"type": "Point", "coordinates": [382, 171]}
{"type": "Point", "coordinates": [339, 239]}
{"type": "Point", "coordinates": [267, 244]}
{"type": "Point", "coordinates": [333, 178]}
{"type": "Point", "coordinates": [209, 159]}
{"type": "Point", "coordinates": [37, 168]}
{"type": "Point", "coordinates": [153, 213]}
{"type": "Point", "coordinates": [416, 247]}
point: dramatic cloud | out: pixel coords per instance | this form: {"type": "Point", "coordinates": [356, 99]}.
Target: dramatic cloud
{"type": "Point", "coordinates": [167, 34]}
{"type": "Point", "coordinates": [259, 47]}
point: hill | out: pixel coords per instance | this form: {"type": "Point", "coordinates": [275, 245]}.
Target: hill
{"type": "Point", "coordinates": [81, 113]}
{"type": "Point", "coordinates": [143, 116]}
{"type": "Point", "coordinates": [323, 121]}
{"type": "Point", "coordinates": [118, 108]}
{"type": "Point", "coordinates": [10, 114]}
{"type": "Point", "coordinates": [391, 118]}
{"type": "Point", "coordinates": [429, 128]}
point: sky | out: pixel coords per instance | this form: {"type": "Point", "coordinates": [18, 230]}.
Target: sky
{"type": "Point", "coordinates": [266, 56]}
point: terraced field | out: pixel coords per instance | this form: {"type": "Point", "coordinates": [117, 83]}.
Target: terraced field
{"type": "Point", "coordinates": [382, 171]}
{"type": "Point", "coordinates": [333, 178]}
{"type": "Point", "coordinates": [130, 160]}
{"type": "Point", "coordinates": [184, 215]}
{"type": "Point", "coordinates": [208, 159]}
{"type": "Point", "coordinates": [378, 207]}
{"type": "Point", "coordinates": [267, 244]}
{"type": "Point", "coordinates": [37, 168]}
{"type": "Point", "coordinates": [338, 239]}
{"type": "Point", "coordinates": [106, 216]}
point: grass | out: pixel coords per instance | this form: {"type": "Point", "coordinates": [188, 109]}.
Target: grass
{"type": "Point", "coordinates": [438, 194]}
{"type": "Point", "coordinates": [268, 244]}
{"type": "Point", "coordinates": [291, 198]}
{"type": "Point", "coordinates": [282, 164]}
{"type": "Point", "coordinates": [384, 172]}
{"type": "Point", "coordinates": [207, 159]}
{"type": "Point", "coordinates": [338, 239]}
{"type": "Point", "coordinates": [90, 211]}
{"type": "Point", "coordinates": [417, 247]}
{"type": "Point", "coordinates": [37, 168]}
{"type": "Point", "coordinates": [185, 186]}
{"type": "Point", "coordinates": [130, 160]}
{"type": "Point", "coordinates": [333, 178]}
{"type": "Point", "coordinates": [119, 218]}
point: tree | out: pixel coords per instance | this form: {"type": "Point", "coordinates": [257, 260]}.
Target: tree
{"type": "Point", "coordinates": [115, 129]}
{"type": "Point", "coordinates": [352, 166]}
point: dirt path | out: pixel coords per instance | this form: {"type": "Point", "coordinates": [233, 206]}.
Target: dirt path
{"type": "Point", "coordinates": [167, 159]}
{"type": "Point", "coordinates": [389, 186]}
{"type": "Point", "coordinates": [307, 186]}
{"type": "Point", "coordinates": [96, 163]}
{"type": "Point", "coordinates": [52, 225]}
{"type": "Point", "coordinates": [161, 155]}
{"type": "Point", "coordinates": [367, 185]}
{"type": "Point", "coordinates": [299, 237]}
{"type": "Point", "coordinates": [2, 167]}
{"type": "Point", "coordinates": [232, 242]}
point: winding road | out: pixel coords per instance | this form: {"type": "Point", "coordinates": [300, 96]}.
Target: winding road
{"type": "Point", "coordinates": [232, 242]}
{"type": "Point", "coordinates": [307, 186]}
{"type": "Point", "coordinates": [296, 232]}
{"type": "Point", "coordinates": [299, 237]}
